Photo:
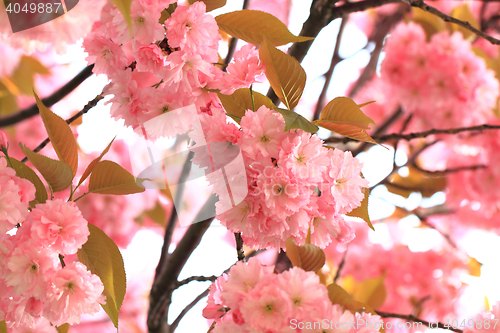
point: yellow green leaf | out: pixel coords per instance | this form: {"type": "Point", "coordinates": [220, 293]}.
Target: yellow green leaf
{"type": "Point", "coordinates": [240, 101]}
{"type": "Point", "coordinates": [60, 135]}
{"type": "Point", "coordinates": [362, 211]}
{"type": "Point", "coordinates": [463, 13]}
{"type": "Point", "coordinates": [110, 178]}
{"type": "Point", "coordinates": [286, 76]}
{"type": "Point", "coordinates": [92, 164]}
{"type": "Point", "coordinates": [25, 172]}
{"type": "Point", "coordinates": [475, 267]}
{"type": "Point", "coordinates": [343, 116]}
{"type": "Point", "coordinates": [8, 101]}
{"type": "Point", "coordinates": [309, 257]}
{"type": "Point", "coordinates": [56, 173]}
{"type": "Point", "coordinates": [3, 327]}
{"type": "Point", "coordinates": [124, 8]}
{"type": "Point", "coordinates": [102, 257]}
{"type": "Point", "coordinates": [23, 75]}
{"type": "Point", "coordinates": [167, 12]}
{"type": "Point", "coordinates": [337, 295]}
{"type": "Point", "coordinates": [63, 328]}
{"type": "Point", "coordinates": [157, 214]}
{"type": "Point", "coordinates": [253, 25]}
{"type": "Point", "coordinates": [371, 291]}
{"type": "Point", "coordinates": [294, 120]}
{"type": "Point", "coordinates": [211, 4]}
{"type": "Point", "coordinates": [429, 22]}
{"type": "Point", "coordinates": [416, 181]}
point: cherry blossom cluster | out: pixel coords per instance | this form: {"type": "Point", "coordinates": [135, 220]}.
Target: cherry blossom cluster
{"type": "Point", "coordinates": [252, 298]}
{"type": "Point", "coordinates": [35, 288]}
{"type": "Point", "coordinates": [163, 66]}
{"type": "Point", "coordinates": [484, 322]}
{"type": "Point", "coordinates": [443, 82]}
{"type": "Point", "coordinates": [292, 183]}
{"type": "Point", "coordinates": [412, 276]}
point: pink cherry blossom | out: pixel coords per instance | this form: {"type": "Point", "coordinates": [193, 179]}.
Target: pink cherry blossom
{"type": "Point", "coordinates": [4, 143]}
{"type": "Point", "coordinates": [58, 225]}
{"type": "Point", "coordinates": [73, 292]}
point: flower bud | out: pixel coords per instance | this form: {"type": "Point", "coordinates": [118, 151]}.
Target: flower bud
{"type": "Point", "coordinates": [3, 141]}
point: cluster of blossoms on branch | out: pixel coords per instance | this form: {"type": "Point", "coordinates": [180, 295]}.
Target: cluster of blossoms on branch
{"type": "Point", "coordinates": [165, 65]}
{"type": "Point", "coordinates": [294, 184]}
{"type": "Point", "coordinates": [442, 82]}
{"type": "Point", "coordinates": [37, 289]}
{"type": "Point", "coordinates": [252, 298]}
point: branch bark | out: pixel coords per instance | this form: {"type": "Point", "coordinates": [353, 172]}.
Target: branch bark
{"type": "Point", "coordinates": [48, 101]}
{"type": "Point", "coordinates": [417, 320]}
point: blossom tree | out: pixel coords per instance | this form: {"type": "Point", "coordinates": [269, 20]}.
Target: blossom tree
{"type": "Point", "coordinates": [285, 171]}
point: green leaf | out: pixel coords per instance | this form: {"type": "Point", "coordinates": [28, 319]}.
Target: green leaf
{"type": "Point", "coordinates": [167, 12]}
{"type": "Point", "coordinates": [294, 120]}
{"type": "Point", "coordinates": [343, 116]}
{"type": "Point", "coordinates": [63, 328]}
{"type": "Point", "coordinates": [253, 25]}
{"type": "Point", "coordinates": [371, 291]}
{"type": "Point", "coordinates": [23, 75]}
{"type": "Point", "coordinates": [102, 257]}
{"type": "Point", "coordinates": [92, 164]}
{"type": "Point", "coordinates": [110, 178]}
{"type": "Point", "coordinates": [240, 101]}
{"type": "Point", "coordinates": [339, 296]}
{"type": "Point", "coordinates": [8, 100]}
{"type": "Point", "coordinates": [25, 172]}
{"type": "Point", "coordinates": [3, 326]}
{"type": "Point", "coordinates": [157, 214]}
{"type": "Point", "coordinates": [57, 174]}
{"type": "Point", "coordinates": [362, 211]}
{"type": "Point", "coordinates": [463, 13]}
{"type": "Point", "coordinates": [60, 135]}
{"type": "Point", "coordinates": [211, 4]}
{"type": "Point", "coordinates": [286, 76]}
{"type": "Point", "coordinates": [429, 22]}
{"type": "Point", "coordinates": [124, 8]}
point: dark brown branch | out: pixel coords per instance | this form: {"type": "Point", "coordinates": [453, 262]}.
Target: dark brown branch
{"type": "Point", "coordinates": [181, 315]}
{"type": "Point", "coordinates": [172, 222]}
{"type": "Point", "coordinates": [442, 233]}
{"type": "Point", "coordinates": [336, 59]}
{"type": "Point", "coordinates": [418, 135]}
{"type": "Point", "coordinates": [451, 170]}
{"type": "Point", "coordinates": [48, 101]}
{"type": "Point", "coordinates": [417, 320]}
{"type": "Point", "coordinates": [165, 282]}
{"type": "Point", "coordinates": [196, 278]}
{"type": "Point", "coordinates": [239, 246]}
{"type": "Point", "coordinates": [70, 120]}
{"type": "Point", "coordinates": [420, 4]}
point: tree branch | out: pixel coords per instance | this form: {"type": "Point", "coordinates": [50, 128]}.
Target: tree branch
{"type": "Point", "coordinates": [417, 320]}
{"type": "Point", "coordinates": [417, 135]}
{"type": "Point", "coordinates": [48, 101]}
{"type": "Point", "coordinates": [341, 265]}
{"type": "Point", "coordinates": [336, 59]}
{"type": "Point", "coordinates": [451, 170]}
{"type": "Point", "coordinates": [196, 278]}
{"type": "Point", "coordinates": [70, 120]}
{"type": "Point", "coordinates": [239, 246]}
{"type": "Point", "coordinates": [420, 4]}
{"type": "Point", "coordinates": [181, 315]}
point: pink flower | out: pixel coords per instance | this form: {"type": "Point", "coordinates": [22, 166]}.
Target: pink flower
{"type": "Point", "coordinates": [107, 56]}
{"type": "Point", "coordinates": [74, 291]}
{"type": "Point", "coordinates": [194, 31]}
{"type": "Point", "coordinates": [4, 143]}
{"type": "Point", "coordinates": [150, 58]}
{"type": "Point", "coordinates": [244, 70]}
{"type": "Point", "coordinates": [58, 225]}
{"type": "Point", "coordinates": [15, 195]}
{"type": "Point", "coordinates": [29, 268]}
{"type": "Point", "coordinates": [263, 131]}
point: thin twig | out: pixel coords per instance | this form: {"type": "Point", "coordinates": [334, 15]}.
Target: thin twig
{"type": "Point", "coordinates": [197, 278]}
{"type": "Point", "coordinates": [70, 120]}
{"type": "Point", "coordinates": [341, 265]}
{"type": "Point", "coordinates": [420, 4]}
{"type": "Point", "coordinates": [417, 320]}
{"type": "Point", "coordinates": [442, 233]}
{"type": "Point", "coordinates": [234, 41]}
{"type": "Point", "coordinates": [417, 135]}
{"type": "Point", "coordinates": [336, 59]}
{"type": "Point", "coordinates": [50, 100]}
{"type": "Point", "coordinates": [451, 170]}
{"type": "Point", "coordinates": [198, 298]}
